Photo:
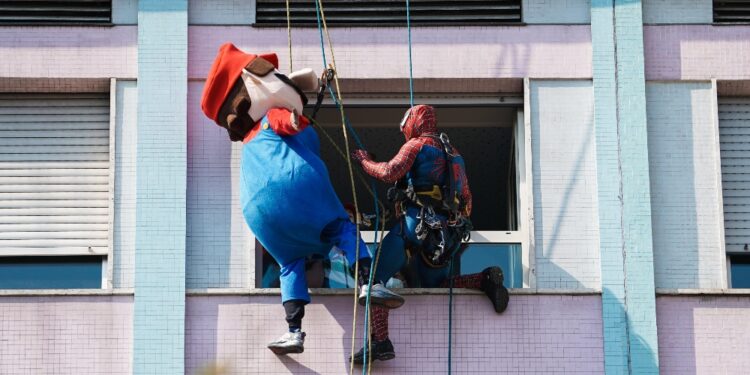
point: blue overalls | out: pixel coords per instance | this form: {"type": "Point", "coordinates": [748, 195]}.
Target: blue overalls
{"type": "Point", "coordinates": [289, 204]}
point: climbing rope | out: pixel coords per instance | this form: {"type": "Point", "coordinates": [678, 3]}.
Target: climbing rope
{"type": "Point", "coordinates": [450, 312]}
{"type": "Point", "coordinates": [289, 35]}
{"type": "Point", "coordinates": [411, 76]}
{"type": "Point", "coordinates": [320, 16]}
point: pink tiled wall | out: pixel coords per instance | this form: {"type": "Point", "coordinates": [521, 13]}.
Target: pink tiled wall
{"type": "Point", "coordinates": [703, 334]}
{"type": "Point", "coordinates": [66, 335]}
{"type": "Point", "coordinates": [697, 52]}
{"type": "Point", "coordinates": [538, 334]}
{"type": "Point", "coordinates": [453, 52]}
{"type": "Point", "coordinates": [60, 52]}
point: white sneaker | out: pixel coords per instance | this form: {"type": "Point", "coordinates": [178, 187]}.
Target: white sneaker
{"type": "Point", "coordinates": [290, 342]}
{"type": "Point", "coordinates": [380, 296]}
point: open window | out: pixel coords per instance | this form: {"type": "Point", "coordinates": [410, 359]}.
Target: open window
{"type": "Point", "coordinates": [487, 133]}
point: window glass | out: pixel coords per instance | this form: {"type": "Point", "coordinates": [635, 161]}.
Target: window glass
{"type": "Point", "coordinates": [740, 269]}
{"type": "Point", "coordinates": [84, 272]}
{"type": "Point", "coordinates": [477, 257]}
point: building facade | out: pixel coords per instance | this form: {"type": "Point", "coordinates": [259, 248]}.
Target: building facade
{"type": "Point", "coordinates": [616, 194]}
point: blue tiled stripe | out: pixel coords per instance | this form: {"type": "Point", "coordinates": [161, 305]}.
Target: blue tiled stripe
{"type": "Point", "coordinates": [159, 311]}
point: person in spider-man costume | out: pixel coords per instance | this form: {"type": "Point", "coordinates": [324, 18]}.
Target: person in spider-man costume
{"type": "Point", "coordinates": [286, 193]}
{"type": "Point", "coordinates": [422, 165]}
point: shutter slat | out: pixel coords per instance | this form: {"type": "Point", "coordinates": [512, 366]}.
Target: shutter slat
{"type": "Point", "coordinates": [56, 127]}
{"type": "Point", "coordinates": [54, 235]}
{"type": "Point", "coordinates": [53, 243]}
{"type": "Point", "coordinates": [53, 211]}
{"type": "Point", "coordinates": [55, 195]}
{"type": "Point", "coordinates": [48, 220]}
{"type": "Point", "coordinates": [54, 172]}
{"type": "Point", "coordinates": [37, 118]}
{"type": "Point", "coordinates": [54, 165]}
{"type": "Point", "coordinates": [101, 156]}
{"type": "Point", "coordinates": [51, 188]}
{"type": "Point", "coordinates": [47, 227]}
{"type": "Point", "coordinates": [54, 203]}
{"type": "Point", "coordinates": [55, 180]}
{"type": "Point", "coordinates": [45, 141]}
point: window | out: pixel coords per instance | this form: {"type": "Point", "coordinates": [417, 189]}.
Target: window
{"type": "Point", "coordinates": [391, 12]}
{"type": "Point", "coordinates": [739, 270]}
{"type": "Point", "coordinates": [55, 178]}
{"type": "Point", "coordinates": [491, 142]}
{"type": "Point", "coordinates": [55, 12]}
{"type": "Point", "coordinates": [731, 11]}
{"type": "Point", "coordinates": [83, 272]}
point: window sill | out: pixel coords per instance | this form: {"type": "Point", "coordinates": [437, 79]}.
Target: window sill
{"type": "Point", "coordinates": [703, 292]}
{"type": "Point", "coordinates": [65, 292]}
{"type": "Point", "coordinates": [405, 292]}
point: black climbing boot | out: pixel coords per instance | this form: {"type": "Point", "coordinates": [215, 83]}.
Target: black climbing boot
{"type": "Point", "coordinates": [492, 286]}
{"type": "Point", "coordinates": [380, 350]}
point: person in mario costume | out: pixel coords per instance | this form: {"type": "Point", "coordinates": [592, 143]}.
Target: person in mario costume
{"type": "Point", "coordinates": [285, 191]}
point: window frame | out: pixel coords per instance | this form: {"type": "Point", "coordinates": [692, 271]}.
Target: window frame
{"type": "Point", "coordinates": [107, 256]}
{"type": "Point", "coordinates": [524, 235]}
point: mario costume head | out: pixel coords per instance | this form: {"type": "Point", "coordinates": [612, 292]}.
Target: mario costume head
{"type": "Point", "coordinates": [285, 191]}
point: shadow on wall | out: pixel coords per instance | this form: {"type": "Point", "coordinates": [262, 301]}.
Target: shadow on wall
{"type": "Point", "coordinates": [642, 361]}
{"type": "Point", "coordinates": [672, 169]}
{"type": "Point", "coordinates": [215, 245]}
{"type": "Point", "coordinates": [565, 190]}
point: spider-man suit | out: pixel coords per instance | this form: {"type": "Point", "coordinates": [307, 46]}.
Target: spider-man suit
{"type": "Point", "coordinates": [422, 161]}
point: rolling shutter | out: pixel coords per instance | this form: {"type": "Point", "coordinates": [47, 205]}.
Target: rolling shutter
{"type": "Point", "coordinates": [54, 174]}
{"type": "Point", "coordinates": [731, 11]}
{"type": "Point", "coordinates": [734, 131]}
{"type": "Point", "coordinates": [389, 12]}
{"type": "Point", "coordinates": [41, 12]}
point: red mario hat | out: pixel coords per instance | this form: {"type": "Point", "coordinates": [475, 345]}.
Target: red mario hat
{"type": "Point", "coordinates": [225, 71]}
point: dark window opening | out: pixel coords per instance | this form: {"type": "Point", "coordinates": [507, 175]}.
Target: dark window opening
{"type": "Point", "coordinates": [740, 270]}
{"type": "Point", "coordinates": [390, 12]}
{"type": "Point", "coordinates": [484, 135]}
{"type": "Point", "coordinates": [54, 272]}
{"type": "Point", "coordinates": [55, 12]}
{"type": "Point", "coordinates": [731, 11]}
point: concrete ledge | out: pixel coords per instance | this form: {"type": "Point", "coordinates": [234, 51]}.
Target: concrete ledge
{"type": "Point", "coordinates": [404, 291]}
{"type": "Point", "coordinates": [702, 292]}
{"type": "Point", "coordinates": [65, 292]}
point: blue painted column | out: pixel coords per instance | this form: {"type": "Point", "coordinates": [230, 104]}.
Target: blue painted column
{"type": "Point", "coordinates": [159, 311]}
{"type": "Point", "coordinates": [640, 293]}
{"type": "Point", "coordinates": [609, 182]}
{"type": "Point", "coordinates": [628, 293]}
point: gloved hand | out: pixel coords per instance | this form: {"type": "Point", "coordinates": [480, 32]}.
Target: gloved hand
{"type": "Point", "coordinates": [360, 155]}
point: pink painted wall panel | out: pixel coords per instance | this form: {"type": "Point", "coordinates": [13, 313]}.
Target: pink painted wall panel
{"type": "Point", "coordinates": [697, 52]}
{"type": "Point", "coordinates": [62, 52]}
{"type": "Point", "coordinates": [703, 334]}
{"type": "Point", "coordinates": [66, 335]}
{"type": "Point", "coordinates": [457, 52]}
{"type": "Point", "coordinates": [536, 335]}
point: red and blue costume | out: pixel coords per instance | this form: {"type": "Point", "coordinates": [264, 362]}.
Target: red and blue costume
{"type": "Point", "coordinates": [423, 164]}
{"type": "Point", "coordinates": [286, 194]}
